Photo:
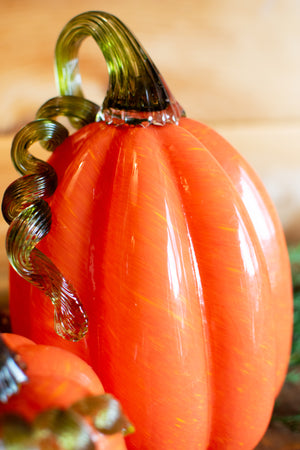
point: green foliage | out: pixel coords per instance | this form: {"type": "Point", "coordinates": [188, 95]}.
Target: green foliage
{"type": "Point", "coordinates": [289, 417]}
{"type": "Point", "coordinates": [292, 422]}
{"type": "Point", "coordinates": [294, 253]}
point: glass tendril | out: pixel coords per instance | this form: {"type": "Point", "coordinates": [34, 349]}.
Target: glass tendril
{"type": "Point", "coordinates": [11, 372]}
{"type": "Point", "coordinates": [24, 207]}
{"type": "Point", "coordinates": [79, 110]}
{"type": "Point", "coordinates": [137, 94]}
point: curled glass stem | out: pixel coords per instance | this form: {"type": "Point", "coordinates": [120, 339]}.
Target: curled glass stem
{"type": "Point", "coordinates": [24, 207]}
{"type": "Point", "coordinates": [137, 92]}
{"type": "Point", "coordinates": [12, 373]}
{"type": "Point", "coordinates": [79, 110]}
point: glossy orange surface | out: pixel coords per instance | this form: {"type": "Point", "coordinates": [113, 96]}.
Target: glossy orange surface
{"type": "Point", "coordinates": [56, 379]}
{"type": "Point", "coordinates": [180, 262]}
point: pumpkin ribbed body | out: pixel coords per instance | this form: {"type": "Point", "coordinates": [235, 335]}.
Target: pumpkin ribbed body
{"type": "Point", "coordinates": [179, 260]}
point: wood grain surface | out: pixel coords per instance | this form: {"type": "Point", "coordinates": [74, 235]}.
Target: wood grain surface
{"type": "Point", "coordinates": [234, 65]}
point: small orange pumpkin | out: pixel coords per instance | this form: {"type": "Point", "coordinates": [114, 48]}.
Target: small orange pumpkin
{"type": "Point", "coordinates": [174, 254]}
{"type": "Point", "coordinates": [58, 381]}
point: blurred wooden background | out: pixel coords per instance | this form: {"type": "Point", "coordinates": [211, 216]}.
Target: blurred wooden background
{"type": "Point", "coordinates": [232, 64]}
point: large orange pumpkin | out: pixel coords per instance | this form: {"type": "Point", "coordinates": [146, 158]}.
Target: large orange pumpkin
{"type": "Point", "coordinates": [172, 250]}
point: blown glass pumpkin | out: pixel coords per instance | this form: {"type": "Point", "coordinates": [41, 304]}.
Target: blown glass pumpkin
{"type": "Point", "coordinates": [61, 405]}
{"type": "Point", "coordinates": [160, 249]}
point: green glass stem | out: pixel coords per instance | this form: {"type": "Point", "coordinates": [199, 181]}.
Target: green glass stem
{"type": "Point", "coordinates": [75, 427]}
{"type": "Point", "coordinates": [136, 93]}
{"type": "Point", "coordinates": [105, 413]}
{"type": "Point", "coordinates": [12, 373]}
{"type": "Point", "coordinates": [24, 207]}
{"type": "Point", "coordinates": [79, 110]}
